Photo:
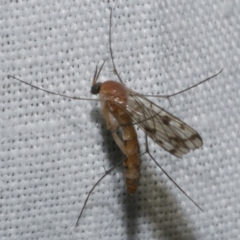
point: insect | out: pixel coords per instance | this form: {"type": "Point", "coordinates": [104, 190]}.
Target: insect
{"type": "Point", "coordinates": [122, 108]}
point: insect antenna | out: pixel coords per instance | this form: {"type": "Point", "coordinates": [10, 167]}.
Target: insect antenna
{"type": "Point", "coordinates": [97, 73]}
{"type": "Point", "coordinates": [50, 92]}
{"type": "Point", "coordinates": [89, 193]}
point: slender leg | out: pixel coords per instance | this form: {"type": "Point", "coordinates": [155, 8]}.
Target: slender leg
{"type": "Point", "coordinates": [110, 48]}
{"type": "Point", "coordinates": [169, 177]}
{"type": "Point", "coordinates": [85, 203]}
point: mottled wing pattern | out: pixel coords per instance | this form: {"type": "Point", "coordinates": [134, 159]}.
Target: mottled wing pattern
{"type": "Point", "coordinates": [165, 129]}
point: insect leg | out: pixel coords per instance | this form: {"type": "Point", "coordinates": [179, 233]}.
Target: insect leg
{"type": "Point", "coordinates": [119, 142]}
{"type": "Point", "coordinates": [169, 177]}
{"type": "Point", "coordinates": [113, 125]}
{"type": "Point", "coordinates": [50, 92]}
{"type": "Point", "coordinates": [110, 47]}
{"type": "Point", "coordinates": [89, 193]}
{"type": "Point", "coordinates": [186, 89]}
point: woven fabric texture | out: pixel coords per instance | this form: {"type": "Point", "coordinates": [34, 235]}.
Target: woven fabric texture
{"type": "Point", "coordinates": [53, 149]}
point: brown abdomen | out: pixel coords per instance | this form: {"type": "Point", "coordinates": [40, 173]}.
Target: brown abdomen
{"type": "Point", "coordinates": [114, 99]}
{"type": "Point", "coordinates": [132, 161]}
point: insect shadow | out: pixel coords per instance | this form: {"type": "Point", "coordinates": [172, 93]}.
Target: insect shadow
{"type": "Point", "coordinates": [160, 209]}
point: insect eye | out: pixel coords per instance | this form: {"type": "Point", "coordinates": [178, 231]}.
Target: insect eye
{"type": "Point", "coordinates": [95, 88]}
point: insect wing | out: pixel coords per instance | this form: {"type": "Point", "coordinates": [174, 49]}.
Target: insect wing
{"type": "Point", "coordinates": [165, 129]}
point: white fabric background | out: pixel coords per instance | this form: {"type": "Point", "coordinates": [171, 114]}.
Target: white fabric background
{"type": "Point", "coordinates": [53, 149]}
